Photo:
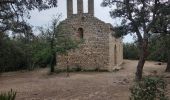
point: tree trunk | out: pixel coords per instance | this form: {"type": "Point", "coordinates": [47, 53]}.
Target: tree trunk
{"type": "Point", "coordinates": [53, 55]}
{"type": "Point", "coordinates": [53, 61]}
{"type": "Point", "coordinates": [168, 64]}
{"type": "Point", "coordinates": [139, 70]}
{"type": "Point", "coordinates": [143, 54]}
{"type": "Point", "coordinates": [51, 64]}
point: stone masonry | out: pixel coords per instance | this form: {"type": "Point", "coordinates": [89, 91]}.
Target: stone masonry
{"type": "Point", "coordinates": [100, 49]}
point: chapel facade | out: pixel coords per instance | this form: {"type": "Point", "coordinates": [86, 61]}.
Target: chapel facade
{"type": "Point", "coordinates": [100, 49]}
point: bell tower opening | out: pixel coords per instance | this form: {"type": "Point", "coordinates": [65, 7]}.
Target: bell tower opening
{"type": "Point", "coordinates": [82, 6]}
{"type": "Point", "coordinates": [85, 6]}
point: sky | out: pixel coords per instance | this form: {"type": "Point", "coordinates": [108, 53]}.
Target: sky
{"type": "Point", "coordinates": [44, 17]}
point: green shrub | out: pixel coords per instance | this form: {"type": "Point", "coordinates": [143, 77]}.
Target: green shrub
{"type": "Point", "coordinates": [8, 96]}
{"type": "Point", "coordinates": [130, 51]}
{"type": "Point", "coordinates": [150, 88]}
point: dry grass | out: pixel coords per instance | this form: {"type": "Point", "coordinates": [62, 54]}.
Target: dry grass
{"type": "Point", "coordinates": [38, 85]}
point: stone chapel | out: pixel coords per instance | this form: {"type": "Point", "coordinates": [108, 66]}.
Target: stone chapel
{"type": "Point", "coordinates": [100, 49]}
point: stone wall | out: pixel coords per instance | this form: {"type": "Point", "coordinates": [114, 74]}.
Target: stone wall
{"type": "Point", "coordinates": [94, 52]}
{"type": "Point", "coordinates": [115, 52]}
{"type": "Point", "coordinates": [91, 7]}
{"type": "Point", "coordinates": [120, 52]}
{"type": "Point", "coordinates": [79, 6]}
{"type": "Point", "coordinates": [69, 8]}
{"type": "Point", "coordinates": [100, 50]}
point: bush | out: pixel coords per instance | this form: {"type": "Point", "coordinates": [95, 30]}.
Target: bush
{"type": "Point", "coordinates": [130, 51]}
{"type": "Point", "coordinates": [150, 88]}
{"type": "Point", "coordinates": [8, 96]}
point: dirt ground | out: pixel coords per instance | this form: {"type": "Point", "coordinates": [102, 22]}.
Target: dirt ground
{"type": "Point", "coordinates": [38, 85]}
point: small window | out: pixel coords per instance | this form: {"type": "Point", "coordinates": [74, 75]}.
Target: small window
{"type": "Point", "coordinates": [80, 33]}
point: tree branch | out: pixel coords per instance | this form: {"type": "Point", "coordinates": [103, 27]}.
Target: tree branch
{"type": "Point", "coordinates": [6, 1]}
{"type": "Point", "coordinates": [154, 18]}
{"type": "Point", "coordinates": [111, 2]}
{"type": "Point", "coordinates": [133, 22]}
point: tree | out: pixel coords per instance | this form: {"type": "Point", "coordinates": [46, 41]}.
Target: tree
{"type": "Point", "coordinates": [130, 51]}
{"type": "Point", "coordinates": [156, 49]}
{"type": "Point", "coordinates": [19, 49]}
{"type": "Point", "coordinates": [59, 41]}
{"type": "Point", "coordinates": [162, 30]}
{"type": "Point", "coordinates": [12, 55]}
{"type": "Point", "coordinates": [138, 18]}
{"type": "Point", "coordinates": [14, 12]}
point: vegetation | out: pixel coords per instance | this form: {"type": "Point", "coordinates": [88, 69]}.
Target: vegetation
{"type": "Point", "coordinates": [140, 21]}
{"type": "Point", "coordinates": [19, 47]}
{"type": "Point", "coordinates": [11, 95]}
{"type": "Point", "coordinates": [20, 52]}
{"type": "Point", "coordinates": [14, 12]}
{"type": "Point", "coordinates": [150, 88]}
{"type": "Point", "coordinates": [130, 51]}
{"type": "Point", "coordinates": [156, 52]}
{"type": "Point", "coordinates": [59, 41]}
{"type": "Point", "coordinates": [162, 30]}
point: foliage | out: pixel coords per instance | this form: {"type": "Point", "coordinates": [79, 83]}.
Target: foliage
{"type": "Point", "coordinates": [157, 53]}
{"type": "Point", "coordinates": [22, 49]}
{"type": "Point", "coordinates": [162, 30]}
{"type": "Point", "coordinates": [40, 55]}
{"type": "Point", "coordinates": [11, 95]}
{"type": "Point", "coordinates": [21, 53]}
{"type": "Point", "coordinates": [18, 50]}
{"type": "Point", "coordinates": [150, 88]}
{"type": "Point", "coordinates": [157, 49]}
{"type": "Point", "coordinates": [11, 55]}
{"type": "Point", "coordinates": [58, 39]}
{"type": "Point", "coordinates": [14, 12]}
{"type": "Point", "coordinates": [130, 51]}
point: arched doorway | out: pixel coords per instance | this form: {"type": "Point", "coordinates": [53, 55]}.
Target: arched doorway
{"type": "Point", "coordinates": [115, 55]}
